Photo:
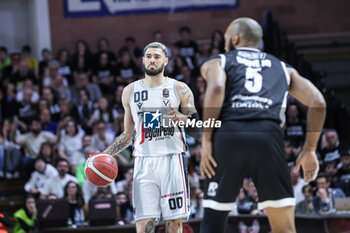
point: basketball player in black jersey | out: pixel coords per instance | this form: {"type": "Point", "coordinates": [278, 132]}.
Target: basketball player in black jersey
{"type": "Point", "coordinates": [247, 91]}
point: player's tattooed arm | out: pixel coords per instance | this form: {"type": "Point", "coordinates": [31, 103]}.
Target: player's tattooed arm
{"type": "Point", "coordinates": [119, 144]}
{"type": "Point", "coordinates": [186, 98]}
{"type": "Point", "coordinates": [188, 109]}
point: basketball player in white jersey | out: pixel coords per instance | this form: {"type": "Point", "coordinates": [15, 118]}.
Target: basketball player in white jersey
{"type": "Point", "coordinates": [160, 187]}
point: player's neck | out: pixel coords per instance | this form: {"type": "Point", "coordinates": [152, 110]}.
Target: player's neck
{"type": "Point", "coordinates": [154, 81]}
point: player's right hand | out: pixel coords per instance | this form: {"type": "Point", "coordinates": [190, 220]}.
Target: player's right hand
{"type": "Point", "coordinates": [309, 162]}
{"type": "Point", "coordinates": [207, 161]}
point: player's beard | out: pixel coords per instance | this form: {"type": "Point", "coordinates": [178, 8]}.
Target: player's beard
{"type": "Point", "coordinates": [153, 72]}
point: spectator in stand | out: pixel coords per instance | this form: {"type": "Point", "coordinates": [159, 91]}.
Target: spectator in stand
{"type": "Point", "coordinates": [25, 218]}
{"type": "Point", "coordinates": [106, 114]}
{"type": "Point", "coordinates": [103, 74]}
{"type": "Point", "coordinates": [298, 183]}
{"type": "Point", "coordinates": [74, 195]}
{"type": "Point", "coordinates": [48, 152]}
{"type": "Point", "coordinates": [84, 110]}
{"type": "Point", "coordinates": [67, 110]}
{"type": "Point", "coordinates": [331, 146]}
{"type": "Point", "coordinates": [65, 70]}
{"type": "Point", "coordinates": [124, 209]}
{"type": "Point", "coordinates": [28, 84]}
{"type": "Point", "coordinates": [54, 107]}
{"type": "Point", "coordinates": [101, 138]}
{"type": "Point", "coordinates": [32, 142]}
{"type": "Point", "coordinates": [248, 202]}
{"type": "Point", "coordinates": [324, 200]}
{"type": "Point", "coordinates": [188, 48]}
{"type": "Point", "coordinates": [90, 190]}
{"type": "Point", "coordinates": [9, 102]}
{"type": "Point", "coordinates": [289, 153]}
{"type": "Point", "coordinates": [46, 123]}
{"type": "Point", "coordinates": [9, 130]}
{"type": "Point", "coordinates": [82, 57]}
{"type": "Point", "coordinates": [344, 170]}
{"type": "Point", "coordinates": [185, 76]}
{"type": "Point", "coordinates": [44, 64]}
{"type": "Point", "coordinates": [26, 108]}
{"type": "Point", "coordinates": [176, 63]}
{"type": "Point", "coordinates": [306, 206]}
{"type": "Point", "coordinates": [126, 69]}
{"type": "Point", "coordinates": [205, 53]}
{"type": "Point", "coordinates": [103, 47]}
{"type": "Point", "coordinates": [103, 193]}
{"type": "Point", "coordinates": [4, 60]}
{"type": "Point", "coordinates": [78, 157]}
{"type": "Point", "coordinates": [59, 85]}
{"type": "Point", "coordinates": [135, 52]}
{"type": "Point", "coordinates": [331, 170]}
{"type": "Point", "coordinates": [31, 61]}
{"type": "Point", "coordinates": [55, 185]}
{"type": "Point", "coordinates": [295, 127]}
{"type": "Point", "coordinates": [56, 81]}
{"type": "Point", "coordinates": [10, 158]}
{"type": "Point", "coordinates": [198, 92]}
{"type": "Point", "coordinates": [126, 183]}
{"type": "Point", "coordinates": [23, 73]}
{"type": "Point", "coordinates": [217, 41]}
{"type": "Point", "coordinates": [11, 69]}
{"type": "Point", "coordinates": [70, 138]}
{"type": "Point", "coordinates": [43, 172]}
{"type": "Point", "coordinates": [82, 82]}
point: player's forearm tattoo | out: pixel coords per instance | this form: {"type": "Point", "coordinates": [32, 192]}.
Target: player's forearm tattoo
{"type": "Point", "coordinates": [150, 227]}
{"type": "Point", "coordinates": [120, 143]}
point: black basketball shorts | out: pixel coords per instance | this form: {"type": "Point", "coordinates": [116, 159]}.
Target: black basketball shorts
{"type": "Point", "coordinates": [249, 148]}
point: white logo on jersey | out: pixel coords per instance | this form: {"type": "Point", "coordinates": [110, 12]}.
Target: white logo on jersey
{"type": "Point", "coordinates": [213, 186]}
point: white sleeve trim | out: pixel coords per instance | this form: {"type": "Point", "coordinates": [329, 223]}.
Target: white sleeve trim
{"type": "Point", "coordinates": [223, 60]}
{"type": "Point", "coordinates": [219, 205]}
{"type": "Point", "coordinates": [286, 72]}
{"type": "Point", "coordinates": [290, 201]}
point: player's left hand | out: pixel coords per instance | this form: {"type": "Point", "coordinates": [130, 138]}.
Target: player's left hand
{"type": "Point", "coordinates": [308, 160]}
{"type": "Point", "coordinates": [207, 161]}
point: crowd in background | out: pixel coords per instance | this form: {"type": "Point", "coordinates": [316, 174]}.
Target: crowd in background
{"type": "Point", "coordinates": [57, 111]}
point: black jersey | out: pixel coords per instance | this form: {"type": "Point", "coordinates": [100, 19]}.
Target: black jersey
{"type": "Point", "coordinates": [256, 86]}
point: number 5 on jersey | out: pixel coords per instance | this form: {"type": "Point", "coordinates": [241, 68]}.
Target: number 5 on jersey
{"type": "Point", "coordinates": [253, 79]}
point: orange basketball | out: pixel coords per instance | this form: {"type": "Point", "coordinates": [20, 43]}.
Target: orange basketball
{"type": "Point", "coordinates": [101, 169]}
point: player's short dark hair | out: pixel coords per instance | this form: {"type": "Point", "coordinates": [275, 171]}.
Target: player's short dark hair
{"type": "Point", "coordinates": [157, 45]}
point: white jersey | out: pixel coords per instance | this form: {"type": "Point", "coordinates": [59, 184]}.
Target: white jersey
{"type": "Point", "coordinates": [149, 107]}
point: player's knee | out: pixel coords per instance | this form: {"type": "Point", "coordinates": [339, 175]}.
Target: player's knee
{"type": "Point", "coordinates": [174, 226]}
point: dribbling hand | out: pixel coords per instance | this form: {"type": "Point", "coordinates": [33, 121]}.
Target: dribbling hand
{"type": "Point", "coordinates": [308, 160]}
{"type": "Point", "coordinates": [207, 161]}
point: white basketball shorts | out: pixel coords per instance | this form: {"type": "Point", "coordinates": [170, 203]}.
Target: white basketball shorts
{"type": "Point", "coordinates": [160, 187]}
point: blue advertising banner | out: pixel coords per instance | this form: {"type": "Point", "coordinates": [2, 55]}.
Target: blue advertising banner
{"type": "Point", "coordinates": [98, 8]}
